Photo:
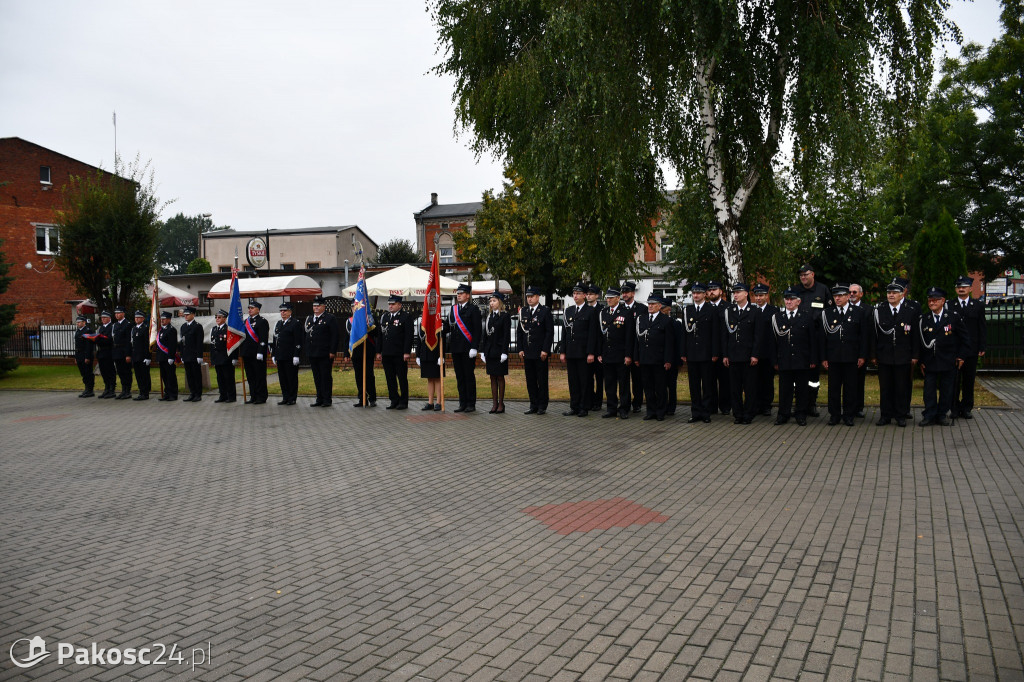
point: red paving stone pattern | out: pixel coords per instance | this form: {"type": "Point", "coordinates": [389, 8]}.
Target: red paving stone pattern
{"type": "Point", "coordinates": [43, 418]}
{"type": "Point", "coordinates": [580, 517]}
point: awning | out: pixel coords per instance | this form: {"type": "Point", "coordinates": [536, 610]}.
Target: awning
{"type": "Point", "coordinates": [484, 287]}
{"type": "Point", "coordinates": [295, 286]}
{"type": "Point", "coordinates": [405, 280]}
{"type": "Point", "coordinates": [170, 297]}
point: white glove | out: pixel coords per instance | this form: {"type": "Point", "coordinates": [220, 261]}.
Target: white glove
{"type": "Point", "coordinates": [259, 356]}
{"type": "Point", "coordinates": [440, 361]}
{"type": "Point", "coordinates": [472, 352]}
{"type": "Point", "coordinates": [147, 362]}
{"type": "Point", "coordinates": [170, 361]}
{"type": "Point", "coordinates": [483, 358]}
{"type": "Point", "coordinates": [199, 361]}
{"type": "Point", "coordinates": [418, 362]}
{"type": "Point", "coordinates": [234, 363]}
{"type": "Point", "coordinates": [273, 359]}
{"type": "Point", "coordinates": [504, 357]}
{"type": "Point", "coordinates": [295, 362]}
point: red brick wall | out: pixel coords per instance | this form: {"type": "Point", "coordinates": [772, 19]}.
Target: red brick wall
{"type": "Point", "coordinates": [23, 200]}
{"type": "Point", "coordinates": [430, 230]}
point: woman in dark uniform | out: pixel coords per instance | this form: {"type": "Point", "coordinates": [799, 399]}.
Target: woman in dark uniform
{"type": "Point", "coordinates": [430, 368]}
{"type": "Point", "coordinates": [497, 336]}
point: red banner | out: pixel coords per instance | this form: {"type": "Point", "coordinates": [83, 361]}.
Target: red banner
{"type": "Point", "coordinates": [432, 306]}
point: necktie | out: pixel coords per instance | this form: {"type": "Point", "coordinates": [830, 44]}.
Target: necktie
{"type": "Point", "coordinates": [652, 318]}
{"type": "Point", "coordinates": [936, 318]}
{"type": "Point", "coordinates": [791, 316]}
{"type": "Point", "coordinates": [894, 311]}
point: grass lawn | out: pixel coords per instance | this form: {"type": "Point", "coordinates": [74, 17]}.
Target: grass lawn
{"type": "Point", "coordinates": [67, 378]}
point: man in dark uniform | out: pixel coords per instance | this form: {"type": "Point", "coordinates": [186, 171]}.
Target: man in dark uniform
{"type": "Point", "coordinates": [794, 346]}
{"type": "Point", "coordinates": [636, 309]}
{"type": "Point", "coordinates": [672, 373]}
{"type": "Point", "coordinates": [894, 351]}
{"type": "Point", "coordinates": [654, 352]}
{"type": "Point", "coordinates": [466, 330]}
{"type": "Point", "coordinates": [223, 363]}
{"type": "Point", "coordinates": [190, 343]}
{"type": "Point", "coordinates": [579, 349]}
{"type": "Point", "coordinates": [104, 339]}
{"type": "Point", "coordinates": [844, 351]}
{"type": "Point", "coordinates": [286, 350]}
{"type": "Point", "coordinates": [618, 334]}
{"type": "Point", "coordinates": [85, 349]}
{"type": "Point", "coordinates": [122, 337]}
{"type": "Point", "coordinates": [857, 300]}
{"type": "Point", "coordinates": [367, 349]}
{"type": "Point", "coordinates": [721, 394]}
{"type": "Point", "coordinates": [701, 344]}
{"type": "Point", "coordinates": [141, 356]}
{"type": "Point", "coordinates": [595, 385]}
{"type": "Point", "coordinates": [254, 353]}
{"type": "Point", "coordinates": [765, 370]}
{"type": "Point", "coordinates": [814, 297]}
{"type": "Point", "coordinates": [534, 338]}
{"type": "Point", "coordinates": [941, 344]}
{"type": "Point", "coordinates": [741, 343]}
{"type": "Point", "coordinates": [396, 332]}
{"type": "Point", "coordinates": [973, 313]}
{"type": "Point", "coordinates": [166, 350]}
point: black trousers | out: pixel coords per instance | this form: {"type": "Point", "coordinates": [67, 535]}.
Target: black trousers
{"type": "Point", "coordinates": [85, 369]}
{"type": "Point", "coordinates": [722, 397]}
{"type": "Point", "coordinates": [655, 390]}
{"type": "Point", "coordinates": [616, 387]}
{"type": "Point", "coordinates": [765, 387]}
{"type": "Point", "coordinates": [142, 378]}
{"type": "Point", "coordinates": [671, 389]}
{"type": "Point", "coordinates": [225, 381]}
{"type": "Point", "coordinates": [396, 372]}
{"type": "Point", "coordinates": [371, 378]}
{"type": "Point", "coordinates": [256, 374]}
{"type": "Point", "coordinates": [288, 378]}
{"type": "Point", "coordinates": [701, 377]}
{"type": "Point", "coordinates": [842, 389]}
{"type": "Point", "coordinates": [108, 373]}
{"type": "Point", "coordinates": [465, 378]}
{"type": "Point", "coordinates": [794, 381]}
{"type": "Point", "coordinates": [323, 380]}
{"type": "Point", "coordinates": [578, 374]}
{"type": "Point", "coordinates": [636, 382]}
{"type": "Point", "coordinates": [194, 378]}
{"type": "Point", "coordinates": [537, 382]}
{"type": "Point", "coordinates": [937, 407]}
{"type": "Point", "coordinates": [743, 389]}
{"type": "Point", "coordinates": [595, 384]}
{"type": "Point", "coordinates": [965, 390]}
{"type": "Point", "coordinates": [124, 373]}
{"type": "Point", "coordinates": [894, 386]}
{"type": "Point", "coordinates": [814, 382]}
{"type": "Point", "coordinates": [169, 375]}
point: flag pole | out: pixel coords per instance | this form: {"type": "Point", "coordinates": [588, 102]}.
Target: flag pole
{"type": "Point", "coordinates": [365, 344]}
{"type": "Point", "coordinates": [440, 338]}
{"type": "Point", "coordinates": [156, 301]}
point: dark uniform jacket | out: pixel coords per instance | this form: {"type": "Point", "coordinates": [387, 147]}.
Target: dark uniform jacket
{"type": "Point", "coordinates": [703, 333]}
{"type": "Point", "coordinates": [845, 337]}
{"type": "Point", "coordinates": [536, 331]}
{"type": "Point", "coordinates": [937, 345]}
{"type": "Point", "coordinates": [288, 336]}
{"type": "Point", "coordinates": [618, 332]}
{"type": "Point", "coordinates": [168, 338]}
{"type": "Point", "coordinates": [894, 337]}
{"type": "Point", "coordinates": [140, 342]}
{"type": "Point", "coordinates": [105, 341]}
{"type": "Point", "coordinates": [321, 335]}
{"type": "Point", "coordinates": [655, 341]}
{"type": "Point", "coordinates": [497, 336]}
{"type": "Point", "coordinates": [191, 341]}
{"type": "Point", "coordinates": [122, 338]}
{"type": "Point", "coordinates": [219, 346]}
{"type": "Point", "coordinates": [396, 331]}
{"type": "Point", "coordinates": [371, 342]}
{"type": "Point", "coordinates": [814, 299]}
{"type": "Point", "coordinates": [794, 342]}
{"type": "Point", "coordinates": [84, 348]}
{"type": "Point", "coordinates": [250, 347]}
{"type": "Point", "coordinates": [470, 316]}
{"type": "Point", "coordinates": [767, 313]}
{"type": "Point", "coordinates": [973, 315]}
{"type": "Point", "coordinates": [580, 333]}
{"type": "Point", "coordinates": [741, 333]}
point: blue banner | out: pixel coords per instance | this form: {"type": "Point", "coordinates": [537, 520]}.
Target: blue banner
{"type": "Point", "coordinates": [362, 316]}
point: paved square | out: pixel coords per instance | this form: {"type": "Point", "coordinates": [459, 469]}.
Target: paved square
{"type": "Point", "coordinates": [293, 543]}
{"type": "Point", "coordinates": [580, 517]}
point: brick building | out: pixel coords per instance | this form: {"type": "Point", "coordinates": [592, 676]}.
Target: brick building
{"type": "Point", "coordinates": [31, 178]}
{"type": "Point", "coordinates": [439, 222]}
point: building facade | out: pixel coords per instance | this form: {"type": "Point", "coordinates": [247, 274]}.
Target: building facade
{"type": "Point", "coordinates": [436, 224]}
{"type": "Point", "coordinates": [310, 248]}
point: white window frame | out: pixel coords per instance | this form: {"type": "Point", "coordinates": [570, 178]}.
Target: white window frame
{"type": "Point", "coordinates": [51, 229]}
{"type": "Point", "coordinates": [49, 175]}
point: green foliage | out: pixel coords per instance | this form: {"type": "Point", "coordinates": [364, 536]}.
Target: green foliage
{"type": "Point", "coordinates": [7, 312]}
{"type": "Point", "coordinates": [179, 241]}
{"type": "Point", "coordinates": [109, 231]}
{"type": "Point", "coordinates": [398, 251]}
{"type": "Point", "coordinates": [939, 257]}
{"type": "Point", "coordinates": [199, 266]}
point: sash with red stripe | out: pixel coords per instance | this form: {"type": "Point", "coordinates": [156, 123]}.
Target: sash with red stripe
{"type": "Point", "coordinates": [252, 332]}
{"type": "Point", "coordinates": [162, 347]}
{"type": "Point", "coordinates": [461, 325]}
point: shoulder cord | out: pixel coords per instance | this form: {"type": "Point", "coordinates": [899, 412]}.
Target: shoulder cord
{"type": "Point", "coordinates": [878, 323]}
{"type": "Point", "coordinates": [838, 329]}
{"type": "Point", "coordinates": [732, 328]}
{"type": "Point", "coordinates": [920, 331]}
{"type": "Point", "coordinates": [779, 332]}
{"type": "Point", "coordinates": [690, 325]}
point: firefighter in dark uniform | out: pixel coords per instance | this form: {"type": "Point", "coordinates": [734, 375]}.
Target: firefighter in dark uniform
{"type": "Point", "coordinates": [759, 295]}
{"type": "Point", "coordinates": [741, 343]}
{"type": "Point", "coordinates": [534, 337]}
{"type": "Point", "coordinates": [973, 313]}
{"type": "Point", "coordinates": [104, 339]}
{"type": "Point", "coordinates": [254, 351]}
{"type": "Point", "coordinates": [466, 330]}
{"type": "Point", "coordinates": [618, 337]}
{"type": "Point", "coordinates": [701, 344]}
{"type": "Point", "coordinates": [286, 351]}
{"type": "Point", "coordinates": [85, 350]}
{"type": "Point", "coordinates": [595, 385]}
{"type": "Point", "coordinates": [814, 297]}
{"type": "Point", "coordinates": [941, 344]}
{"type": "Point", "coordinates": [857, 300]}
{"type": "Point", "coordinates": [895, 322]}
{"type": "Point", "coordinates": [636, 309]}
{"type": "Point", "coordinates": [672, 373]}
{"type": "Point", "coordinates": [655, 352]}
{"type": "Point", "coordinates": [579, 350]}
{"type": "Point", "coordinates": [166, 351]}
{"type": "Point", "coordinates": [845, 349]}
{"type": "Point", "coordinates": [190, 341]}
{"type": "Point", "coordinates": [367, 349]}
{"type": "Point", "coordinates": [141, 356]}
{"type": "Point", "coordinates": [721, 395]}
{"type": "Point", "coordinates": [794, 344]}
{"type": "Point", "coordinates": [123, 352]}
{"type": "Point", "coordinates": [396, 333]}
{"type": "Point", "coordinates": [223, 363]}
{"type": "Point", "coordinates": [494, 348]}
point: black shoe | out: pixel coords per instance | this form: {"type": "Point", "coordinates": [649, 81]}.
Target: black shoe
{"type": "Point", "coordinates": [624, 415]}
{"type": "Point", "coordinates": [848, 421]}
{"type": "Point", "coordinates": [231, 400]}
{"type": "Point", "coordinates": [437, 407]}
{"type": "Point", "coordinates": [860, 415]}
{"type": "Point", "coordinates": [221, 400]}
{"type": "Point", "coordinates": [832, 421]}
{"type": "Point", "coordinates": [779, 421]}
{"type": "Point", "coordinates": [670, 413]}
{"type": "Point", "coordinates": [88, 394]}
{"type": "Point", "coordinates": [967, 415]}
{"type": "Point", "coordinates": [460, 408]}
{"type": "Point", "coordinates": [941, 421]}
{"type": "Point", "coordinates": [359, 404]}
{"type": "Point", "coordinates": [282, 402]}
{"type": "Point", "coordinates": [814, 412]}
{"type": "Point", "coordinates": [694, 420]}
{"type": "Point", "coordinates": [707, 420]}
{"type": "Point", "coordinates": [883, 421]}
{"type": "Point", "coordinates": [725, 411]}
{"type": "Point", "coordinates": [187, 400]}
{"type": "Point", "coordinates": [925, 422]}
{"type": "Point", "coordinates": [429, 407]}
{"type": "Point", "coordinates": [636, 410]}
{"type": "Point", "coordinates": [766, 413]}
{"type": "Point", "coordinates": [737, 420]}
{"type": "Point", "coordinates": [532, 410]}
{"type": "Point", "coordinates": [570, 413]}
{"type": "Point", "coordinates": [402, 406]}
{"type": "Point", "coordinates": [392, 406]}
{"type": "Point", "coordinates": [660, 417]}
{"type": "Point", "coordinates": [748, 421]}
{"type": "Point", "coordinates": [649, 417]}
{"type": "Point", "coordinates": [542, 411]}
{"type": "Point", "coordinates": [250, 401]}
{"type": "Point", "coordinates": [470, 408]}
{"type": "Point", "coordinates": [801, 421]}
{"type": "Point", "coordinates": [123, 396]}
{"type": "Point", "coordinates": [583, 413]}
{"type": "Point", "coordinates": [141, 397]}
{"type": "Point", "coordinates": [608, 415]}
{"type": "Point", "coordinates": [901, 422]}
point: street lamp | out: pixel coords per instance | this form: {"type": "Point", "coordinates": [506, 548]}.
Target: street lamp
{"type": "Point", "coordinates": [48, 264]}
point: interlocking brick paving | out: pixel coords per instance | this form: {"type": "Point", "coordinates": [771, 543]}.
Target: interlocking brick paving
{"type": "Point", "coordinates": [580, 517]}
{"type": "Point", "coordinates": [43, 418]}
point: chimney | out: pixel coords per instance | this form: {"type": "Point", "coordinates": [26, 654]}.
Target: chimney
{"type": "Point", "coordinates": [433, 198]}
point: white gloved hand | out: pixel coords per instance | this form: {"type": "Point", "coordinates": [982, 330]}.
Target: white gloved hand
{"type": "Point", "coordinates": [259, 356]}
{"type": "Point", "coordinates": [295, 362]}
{"type": "Point", "coordinates": [472, 352]}
{"type": "Point", "coordinates": [147, 362]}
{"type": "Point", "coordinates": [199, 361]}
{"type": "Point", "coordinates": [440, 361]}
{"type": "Point", "coordinates": [483, 358]}
{"type": "Point", "coordinates": [170, 361]}
{"type": "Point", "coordinates": [504, 357]}
{"type": "Point", "coordinates": [234, 363]}
{"type": "Point", "coordinates": [418, 362]}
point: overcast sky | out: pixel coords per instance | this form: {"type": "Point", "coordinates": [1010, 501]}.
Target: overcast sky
{"type": "Point", "coordinates": [267, 115]}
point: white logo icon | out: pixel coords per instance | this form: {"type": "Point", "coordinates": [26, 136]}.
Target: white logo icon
{"type": "Point", "coordinates": [36, 652]}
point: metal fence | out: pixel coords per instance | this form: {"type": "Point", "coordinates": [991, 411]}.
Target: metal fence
{"type": "Point", "coordinates": [43, 341]}
{"type": "Point", "coordinates": [1004, 323]}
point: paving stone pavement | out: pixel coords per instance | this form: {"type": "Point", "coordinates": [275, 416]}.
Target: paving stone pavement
{"type": "Point", "coordinates": [338, 544]}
